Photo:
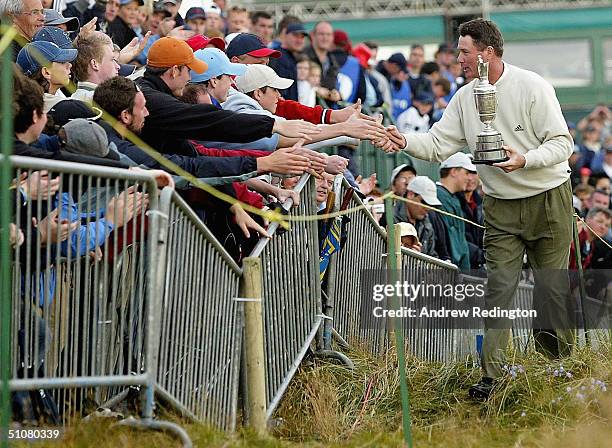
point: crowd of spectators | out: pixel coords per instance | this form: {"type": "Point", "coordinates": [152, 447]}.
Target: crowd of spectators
{"type": "Point", "coordinates": [226, 98]}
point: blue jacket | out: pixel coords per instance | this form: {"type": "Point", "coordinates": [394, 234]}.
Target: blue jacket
{"type": "Point", "coordinates": [286, 67]}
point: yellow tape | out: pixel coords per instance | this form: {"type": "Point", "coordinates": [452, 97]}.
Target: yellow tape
{"type": "Point", "coordinates": [576, 215]}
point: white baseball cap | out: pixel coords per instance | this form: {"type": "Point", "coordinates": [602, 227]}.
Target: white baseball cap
{"type": "Point", "coordinates": [459, 160]}
{"type": "Point", "coordinates": [407, 229]}
{"type": "Point", "coordinates": [425, 187]}
{"type": "Point", "coordinates": [258, 76]}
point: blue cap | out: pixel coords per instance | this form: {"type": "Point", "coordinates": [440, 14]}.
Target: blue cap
{"type": "Point", "coordinates": [424, 97]}
{"type": "Point", "coordinates": [296, 28]}
{"type": "Point", "coordinates": [38, 54]}
{"type": "Point", "coordinates": [218, 64]}
{"type": "Point", "coordinates": [127, 2]}
{"type": "Point", "coordinates": [55, 35]}
{"type": "Point", "coordinates": [195, 13]}
{"type": "Point", "coordinates": [399, 60]}
{"type": "Point", "coordinates": [126, 69]}
{"type": "Point", "coordinates": [247, 43]}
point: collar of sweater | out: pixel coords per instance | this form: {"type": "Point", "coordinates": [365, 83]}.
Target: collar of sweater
{"type": "Point", "coordinates": [156, 83]}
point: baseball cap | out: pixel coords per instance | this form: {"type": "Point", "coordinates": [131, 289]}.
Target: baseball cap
{"type": "Point", "coordinates": [69, 109]}
{"type": "Point", "coordinates": [400, 169]}
{"type": "Point", "coordinates": [195, 13]}
{"type": "Point", "coordinates": [407, 229]}
{"type": "Point", "coordinates": [54, 18]}
{"type": "Point", "coordinates": [363, 53]}
{"type": "Point", "coordinates": [212, 8]}
{"type": "Point", "coordinates": [425, 187]}
{"type": "Point", "coordinates": [126, 69]}
{"type": "Point", "coordinates": [173, 2]}
{"type": "Point", "coordinates": [446, 47]}
{"type": "Point", "coordinates": [127, 2]}
{"type": "Point", "coordinates": [89, 138]}
{"type": "Point", "coordinates": [199, 42]}
{"type": "Point", "coordinates": [424, 97]}
{"type": "Point", "coordinates": [459, 160]}
{"type": "Point", "coordinates": [247, 43]}
{"type": "Point", "coordinates": [168, 51]}
{"type": "Point", "coordinates": [55, 35]}
{"type": "Point", "coordinates": [399, 60]}
{"type": "Point", "coordinates": [38, 54]}
{"type": "Point", "coordinates": [258, 76]}
{"type": "Point", "coordinates": [296, 28]}
{"type": "Point", "coordinates": [218, 64]}
{"type": "Point", "coordinates": [342, 40]}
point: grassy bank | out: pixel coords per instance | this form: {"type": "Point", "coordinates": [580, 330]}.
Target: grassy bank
{"type": "Point", "coordinates": [538, 403]}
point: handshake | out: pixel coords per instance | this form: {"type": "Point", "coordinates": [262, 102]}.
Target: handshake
{"type": "Point", "coordinates": [393, 141]}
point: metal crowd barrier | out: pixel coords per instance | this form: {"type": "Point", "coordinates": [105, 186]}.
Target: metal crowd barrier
{"type": "Point", "coordinates": [200, 320]}
{"type": "Point", "coordinates": [83, 301]}
{"type": "Point", "coordinates": [291, 293]}
{"type": "Point", "coordinates": [365, 249]}
{"type": "Point", "coordinates": [424, 340]}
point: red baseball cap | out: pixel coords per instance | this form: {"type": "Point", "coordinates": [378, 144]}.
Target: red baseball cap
{"type": "Point", "coordinates": [199, 42]}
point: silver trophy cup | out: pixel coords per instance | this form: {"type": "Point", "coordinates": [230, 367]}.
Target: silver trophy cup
{"type": "Point", "coordinates": [489, 142]}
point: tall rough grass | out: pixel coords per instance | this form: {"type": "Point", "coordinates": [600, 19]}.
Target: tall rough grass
{"type": "Point", "coordinates": [538, 403]}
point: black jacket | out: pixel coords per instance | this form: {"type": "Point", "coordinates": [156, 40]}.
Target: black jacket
{"type": "Point", "coordinates": [200, 166]}
{"type": "Point", "coordinates": [172, 123]}
{"type": "Point", "coordinates": [120, 32]}
{"type": "Point", "coordinates": [286, 67]}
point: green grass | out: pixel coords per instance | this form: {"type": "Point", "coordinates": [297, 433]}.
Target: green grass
{"type": "Point", "coordinates": [327, 405]}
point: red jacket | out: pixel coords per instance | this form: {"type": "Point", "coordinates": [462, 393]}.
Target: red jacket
{"type": "Point", "coordinates": [243, 194]}
{"type": "Point", "coordinates": [292, 110]}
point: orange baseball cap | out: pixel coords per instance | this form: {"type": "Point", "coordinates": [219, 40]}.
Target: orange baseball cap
{"type": "Point", "coordinates": [168, 51]}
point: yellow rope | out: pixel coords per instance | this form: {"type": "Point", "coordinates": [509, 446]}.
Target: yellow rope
{"type": "Point", "coordinates": [576, 215]}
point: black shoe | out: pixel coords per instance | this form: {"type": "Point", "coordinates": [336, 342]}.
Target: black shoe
{"type": "Point", "coordinates": [482, 390]}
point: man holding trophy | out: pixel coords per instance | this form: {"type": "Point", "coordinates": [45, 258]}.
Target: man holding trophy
{"type": "Point", "coordinates": [511, 121]}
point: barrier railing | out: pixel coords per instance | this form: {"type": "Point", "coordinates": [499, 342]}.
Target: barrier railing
{"type": "Point", "coordinates": [291, 293]}
{"type": "Point", "coordinates": [200, 320]}
{"type": "Point", "coordinates": [85, 284]}
{"type": "Point", "coordinates": [365, 249]}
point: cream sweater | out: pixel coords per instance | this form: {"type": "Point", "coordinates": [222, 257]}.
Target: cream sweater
{"type": "Point", "coordinates": [530, 120]}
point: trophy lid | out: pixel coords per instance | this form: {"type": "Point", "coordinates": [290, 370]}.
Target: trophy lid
{"type": "Point", "coordinates": [483, 70]}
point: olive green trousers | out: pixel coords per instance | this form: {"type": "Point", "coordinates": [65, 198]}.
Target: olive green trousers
{"type": "Point", "coordinates": [541, 226]}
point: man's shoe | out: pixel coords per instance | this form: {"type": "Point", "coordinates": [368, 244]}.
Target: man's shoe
{"type": "Point", "coordinates": [482, 390]}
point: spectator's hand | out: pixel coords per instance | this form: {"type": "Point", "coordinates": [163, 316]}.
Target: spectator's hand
{"type": "Point", "coordinates": [341, 115]}
{"type": "Point", "coordinates": [282, 195]}
{"type": "Point", "coordinates": [516, 161]}
{"type": "Point", "coordinates": [180, 33]}
{"type": "Point", "coordinates": [296, 129]}
{"type": "Point", "coordinates": [96, 254]}
{"type": "Point", "coordinates": [39, 186]}
{"type": "Point", "coordinates": [417, 246]}
{"type": "Point", "coordinates": [245, 222]}
{"type": "Point", "coordinates": [366, 185]}
{"type": "Point", "coordinates": [51, 229]}
{"type": "Point", "coordinates": [357, 127]}
{"type": "Point", "coordinates": [318, 160]}
{"type": "Point", "coordinates": [121, 209]}
{"type": "Point", "coordinates": [163, 178]}
{"type": "Point", "coordinates": [334, 95]}
{"type": "Point", "coordinates": [284, 161]}
{"type": "Point", "coordinates": [398, 141]}
{"type": "Point", "coordinates": [336, 165]}
{"type": "Point", "coordinates": [88, 28]}
{"type": "Point", "coordinates": [16, 235]}
{"type": "Point", "coordinates": [133, 49]}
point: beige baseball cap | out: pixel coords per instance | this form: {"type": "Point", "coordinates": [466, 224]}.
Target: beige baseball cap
{"type": "Point", "coordinates": [407, 229]}
{"type": "Point", "coordinates": [258, 76]}
{"type": "Point", "coordinates": [425, 187]}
